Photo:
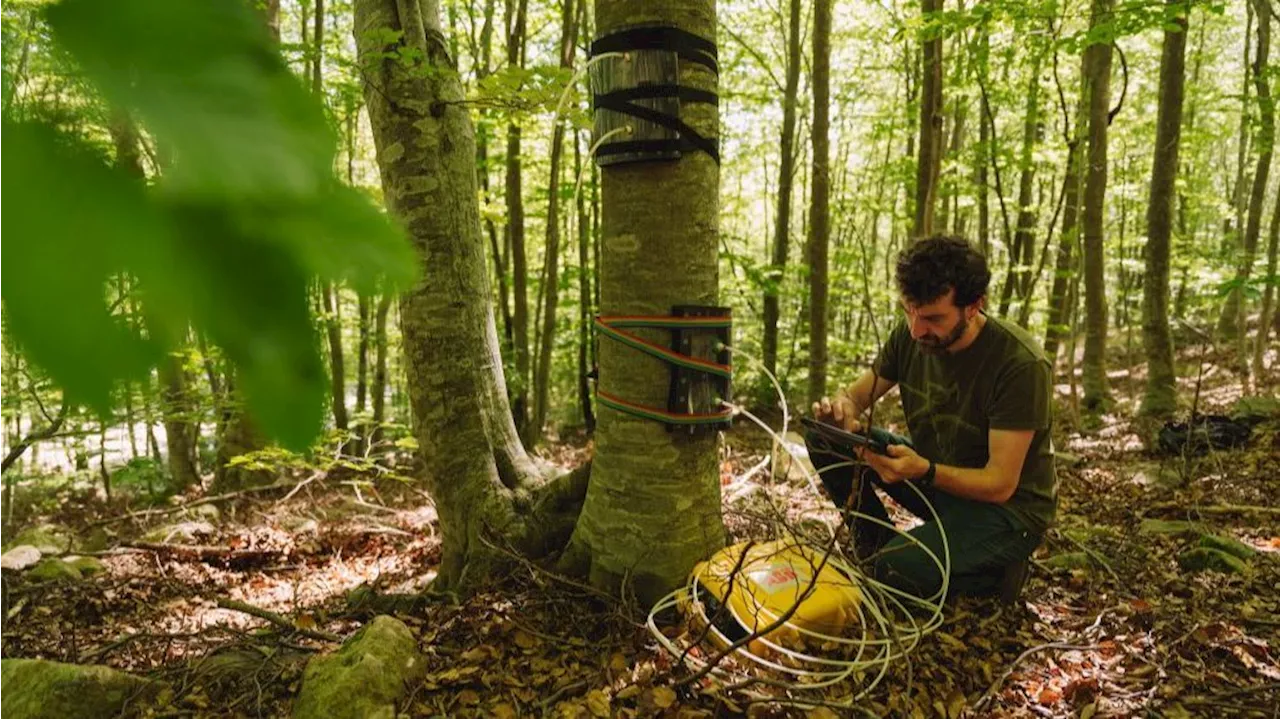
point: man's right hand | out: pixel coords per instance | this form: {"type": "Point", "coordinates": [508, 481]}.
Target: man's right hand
{"type": "Point", "coordinates": [839, 411]}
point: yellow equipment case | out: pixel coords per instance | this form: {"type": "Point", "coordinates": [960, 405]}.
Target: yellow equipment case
{"type": "Point", "coordinates": [739, 595]}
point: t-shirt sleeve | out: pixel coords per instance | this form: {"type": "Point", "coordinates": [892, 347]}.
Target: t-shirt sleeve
{"type": "Point", "coordinates": [888, 363]}
{"type": "Point", "coordinates": [1021, 397]}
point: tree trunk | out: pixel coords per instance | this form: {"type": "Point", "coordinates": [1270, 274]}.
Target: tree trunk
{"type": "Point", "coordinates": [584, 292]}
{"type": "Point", "coordinates": [1266, 141]}
{"type": "Point", "coordinates": [653, 505]}
{"type": "Point", "coordinates": [239, 436]}
{"type": "Point", "coordinates": [182, 432]}
{"type": "Point", "coordinates": [362, 356]}
{"type": "Point", "coordinates": [1269, 296]}
{"type": "Point", "coordinates": [819, 209]}
{"type": "Point", "coordinates": [1097, 74]}
{"type": "Point", "coordinates": [782, 220]}
{"type": "Point", "coordinates": [930, 160]}
{"type": "Point", "coordinates": [551, 284]}
{"type": "Point", "coordinates": [379, 388]}
{"type": "Point", "coordinates": [1022, 252]}
{"type": "Point", "coordinates": [337, 369]}
{"type": "Point", "coordinates": [1160, 399]}
{"type": "Point", "coordinates": [476, 470]}
{"type": "Point", "coordinates": [1233, 227]}
{"type": "Point", "coordinates": [516, 20]}
{"type": "Point", "coordinates": [984, 144]}
{"type": "Point", "coordinates": [1060, 318]}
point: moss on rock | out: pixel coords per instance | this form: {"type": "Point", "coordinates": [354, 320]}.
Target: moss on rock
{"type": "Point", "coordinates": [39, 689]}
{"type": "Point", "coordinates": [365, 678]}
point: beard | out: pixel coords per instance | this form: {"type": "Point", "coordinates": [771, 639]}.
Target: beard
{"type": "Point", "coordinates": [935, 345]}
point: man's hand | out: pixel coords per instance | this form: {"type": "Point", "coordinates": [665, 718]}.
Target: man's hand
{"type": "Point", "coordinates": [902, 463]}
{"type": "Point", "coordinates": [841, 412]}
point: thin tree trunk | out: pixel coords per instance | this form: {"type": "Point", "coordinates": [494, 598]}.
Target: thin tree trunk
{"type": "Point", "coordinates": [1160, 399]}
{"type": "Point", "coordinates": [1097, 74]}
{"type": "Point", "coordinates": [652, 508]}
{"type": "Point", "coordinates": [182, 431]}
{"type": "Point", "coordinates": [981, 158]}
{"type": "Point", "coordinates": [1022, 251]}
{"type": "Point", "coordinates": [337, 368]}
{"type": "Point", "coordinates": [819, 210]}
{"type": "Point", "coordinates": [1269, 296]}
{"type": "Point", "coordinates": [584, 292]}
{"type": "Point", "coordinates": [1060, 321]}
{"type": "Point", "coordinates": [551, 284]}
{"type": "Point", "coordinates": [379, 389]}
{"type": "Point", "coordinates": [931, 109]}
{"type": "Point", "coordinates": [1233, 227]}
{"type": "Point", "coordinates": [516, 20]}
{"type": "Point", "coordinates": [786, 175]}
{"type": "Point", "coordinates": [1266, 142]}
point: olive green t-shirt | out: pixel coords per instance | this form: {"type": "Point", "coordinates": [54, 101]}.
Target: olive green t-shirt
{"type": "Point", "coordinates": [951, 401]}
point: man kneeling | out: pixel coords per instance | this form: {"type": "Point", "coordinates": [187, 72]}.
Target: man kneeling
{"type": "Point", "coordinates": [976, 391]}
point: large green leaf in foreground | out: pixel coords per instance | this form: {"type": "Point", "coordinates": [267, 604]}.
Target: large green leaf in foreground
{"type": "Point", "coordinates": [246, 211]}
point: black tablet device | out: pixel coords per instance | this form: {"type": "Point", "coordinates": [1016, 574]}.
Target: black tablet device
{"type": "Point", "coordinates": [842, 441]}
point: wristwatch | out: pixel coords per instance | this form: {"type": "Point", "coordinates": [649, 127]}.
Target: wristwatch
{"type": "Point", "coordinates": [926, 479]}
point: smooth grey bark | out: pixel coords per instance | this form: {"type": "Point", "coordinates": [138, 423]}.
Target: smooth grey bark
{"type": "Point", "coordinates": [487, 491]}
{"type": "Point", "coordinates": [786, 176]}
{"type": "Point", "coordinates": [1098, 76]}
{"type": "Point", "coordinates": [1233, 227]}
{"type": "Point", "coordinates": [819, 199]}
{"type": "Point", "coordinates": [653, 504]}
{"type": "Point", "coordinates": [930, 160]}
{"type": "Point", "coordinates": [1160, 397]}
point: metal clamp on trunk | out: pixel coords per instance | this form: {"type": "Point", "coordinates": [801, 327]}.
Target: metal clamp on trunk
{"type": "Point", "coordinates": [636, 94]}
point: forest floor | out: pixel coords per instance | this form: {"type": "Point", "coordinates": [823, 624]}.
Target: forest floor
{"type": "Point", "coordinates": [1118, 628]}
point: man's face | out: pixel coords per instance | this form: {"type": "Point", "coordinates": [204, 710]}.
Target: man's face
{"type": "Point", "coordinates": [937, 325]}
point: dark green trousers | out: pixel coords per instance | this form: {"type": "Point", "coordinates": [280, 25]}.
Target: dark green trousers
{"type": "Point", "coordinates": [983, 538]}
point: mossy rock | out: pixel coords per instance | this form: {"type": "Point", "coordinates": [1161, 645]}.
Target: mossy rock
{"type": "Point", "coordinates": [1230, 545]}
{"type": "Point", "coordinates": [87, 566]}
{"type": "Point", "coordinates": [1256, 407]}
{"type": "Point", "coordinates": [97, 540]}
{"type": "Point", "coordinates": [181, 532]}
{"type": "Point", "coordinates": [48, 538]}
{"type": "Point", "coordinates": [1199, 559]}
{"type": "Point", "coordinates": [1164, 526]}
{"type": "Point", "coordinates": [1070, 560]}
{"type": "Point", "coordinates": [53, 569]}
{"type": "Point", "coordinates": [367, 677]}
{"type": "Point", "coordinates": [39, 689]}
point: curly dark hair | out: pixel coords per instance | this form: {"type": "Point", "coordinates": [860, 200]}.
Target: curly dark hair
{"type": "Point", "coordinates": [933, 265]}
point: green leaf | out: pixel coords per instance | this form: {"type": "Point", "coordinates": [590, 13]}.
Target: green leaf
{"type": "Point", "coordinates": [71, 224]}
{"type": "Point", "coordinates": [206, 82]}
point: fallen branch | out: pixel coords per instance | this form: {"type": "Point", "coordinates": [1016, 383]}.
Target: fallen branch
{"type": "Point", "coordinates": [193, 503]}
{"type": "Point", "coordinates": [201, 552]}
{"type": "Point", "coordinates": [1215, 508]}
{"type": "Point", "coordinates": [277, 620]}
{"type": "Point", "coordinates": [991, 690]}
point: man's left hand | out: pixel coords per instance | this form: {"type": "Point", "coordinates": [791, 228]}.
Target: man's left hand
{"type": "Point", "coordinates": [902, 463]}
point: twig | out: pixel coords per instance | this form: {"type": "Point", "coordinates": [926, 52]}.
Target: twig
{"type": "Point", "coordinates": [991, 690]}
{"type": "Point", "coordinates": [1216, 508]}
{"type": "Point", "coordinates": [277, 620]}
{"type": "Point", "coordinates": [1095, 556]}
{"type": "Point", "coordinates": [202, 552]}
{"type": "Point", "coordinates": [192, 503]}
